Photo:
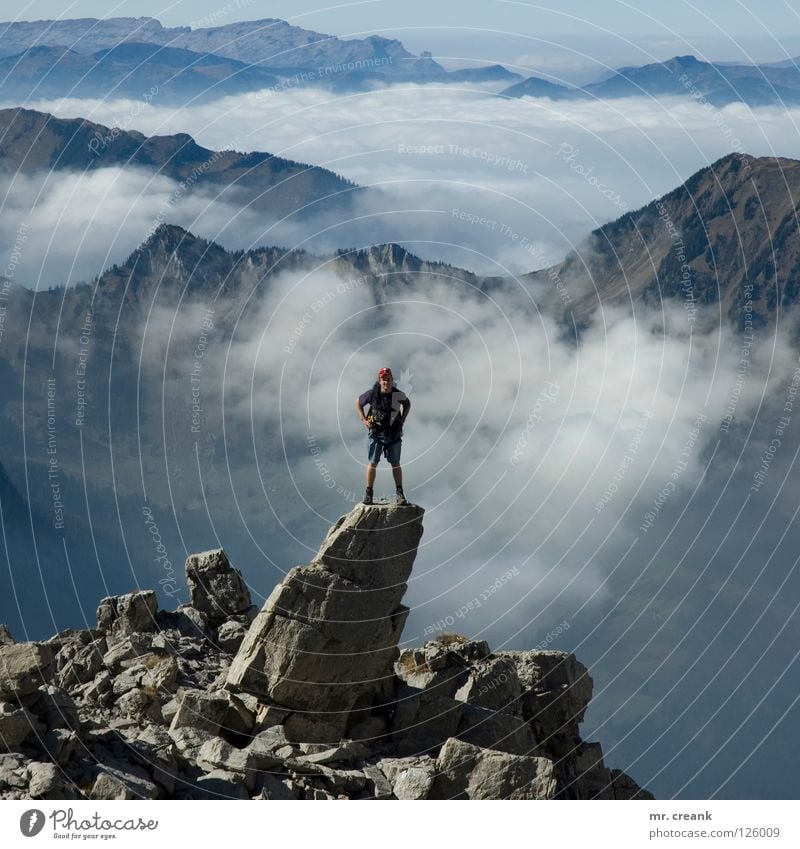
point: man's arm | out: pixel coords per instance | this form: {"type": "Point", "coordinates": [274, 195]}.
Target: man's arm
{"type": "Point", "coordinates": [360, 411]}
{"type": "Point", "coordinates": [406, 405]}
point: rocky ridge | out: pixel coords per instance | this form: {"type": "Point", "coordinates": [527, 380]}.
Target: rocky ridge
{"type": "Point", "coordinates": [311, 698]}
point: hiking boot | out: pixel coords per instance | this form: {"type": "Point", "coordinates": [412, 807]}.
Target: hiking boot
{"type": "Point", "coordinates": [400, 499]}
{"type": "Point", "coordinates": [367, 498]}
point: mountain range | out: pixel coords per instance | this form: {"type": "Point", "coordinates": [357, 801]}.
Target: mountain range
{"type": "Point", "coordinates": [715, 83]}
{"type": "Point", "coordinates": [727, 239]}
{"type": "Point", "coordinates": [736, 216]}
{"type": "Point", "coordinates": [270, 42]}
{"type": "Point", "coordinates": [36, 142]}
{"type": "Point", "coordinates": [101, 374]}
{"type": "Point", "coordinates": [138, 58]}
{"type": "Point", "coordinates": [144, 72]}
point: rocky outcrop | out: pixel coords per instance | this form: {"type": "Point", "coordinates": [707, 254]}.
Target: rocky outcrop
{"type": "Point", "coordinates": [216, 589]}
{"type": "Point", "coordinates": [311, 699]}
{"type": "Point", "coordinates": [324, 644]}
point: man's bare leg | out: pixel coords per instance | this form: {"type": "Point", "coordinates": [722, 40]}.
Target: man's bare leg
{"type": "Point", "coordinates": [371, 468]}
{"type": "Point", "coordinates": [398, 482]}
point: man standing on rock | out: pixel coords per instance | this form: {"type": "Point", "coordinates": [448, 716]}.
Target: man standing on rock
{"type": "Point", "coordinates": [388, 411]}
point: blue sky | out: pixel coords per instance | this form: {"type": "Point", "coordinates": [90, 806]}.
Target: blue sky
{"type": "Point", "coordinates": [501, 30]}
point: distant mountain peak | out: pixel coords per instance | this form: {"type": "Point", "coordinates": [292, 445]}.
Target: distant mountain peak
{"type": "Point", "coordinates": [168, 235]}
{"type": "Point", "coordinates": [730, 228]}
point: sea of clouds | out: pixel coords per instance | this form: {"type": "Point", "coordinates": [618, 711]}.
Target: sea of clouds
{"type": "Point", "coordinates": [580, 484]}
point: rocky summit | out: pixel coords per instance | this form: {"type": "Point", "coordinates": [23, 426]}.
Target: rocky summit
{"type": "Point", "coordinates": [326, 640]}
{"type": "Point", "coordinates": [310, 698]}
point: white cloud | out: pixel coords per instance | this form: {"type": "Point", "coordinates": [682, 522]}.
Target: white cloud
{"type": "Point", "coordinates": [432, 149]}
{"type": "Point", "coordinates": [515, 437]}
{"type": "Point", "coordinates": [481, 372]}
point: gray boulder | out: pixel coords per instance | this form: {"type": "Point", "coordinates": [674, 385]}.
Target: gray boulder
{"type": "Point", "coordinates": [60, 744]}
{"type": "Point", "coordinates": [220, 784]}
{"type": "Point", "coordinates": [414, 783]}
{"type": "Point", "coordinates": [217, 753]}
{"type": "Point", "coordinates": [493, 683]}
{"type": "Point", "coordinates": [215, 587]}
{"type": "Point", "coordinates": [16, 724]}
{"type": "Point", "coordinates": [127, 614]}
{"type": "Point", "coordinates": [13, 772]}
{"type": "Point", "coordinates": [423, 720]}
{"type": "Point", "coordinates": [54, 707]}
{"type": "Point", "coordinates": [78, 663]}
{"type": "Point", "coordinates": [410, 777]}
{"type": "Point", "coordinates": [557, 689]}
{"type": "Point", "coordinates": [454, 687]}
{"type": "Point", "coordinates": [23, 667]}
{"type": "Point", "coordinates": [200, 711]}
{"type": "Point", "coordinates": [492, 729]}
{"type": "Point", "coordinates": [325, 641]}
{"type": "Point", "coordinates": [119, 781]}
{"type": "Point", "coordinates": [47, 781]}
{"type": "Point", "coordinates": [464, 771]}
{"type": "Point", "coordinates": [231, 635]}
{"type": "Point", "coordinates": [583, 775]}
{"type": "Point", "coordinates": [442, 664]}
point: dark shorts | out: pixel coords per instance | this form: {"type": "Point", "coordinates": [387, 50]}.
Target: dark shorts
{"type": "Point", "coordinates": [376, 448]}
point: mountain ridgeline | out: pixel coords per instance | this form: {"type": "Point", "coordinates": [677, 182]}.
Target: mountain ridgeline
{"type": "Point", "coordinates": [717, 84]}
{"type": "Point", "coordinates": [726, 241]}
{"type": "Point", "coordinates": [82, 359]}
{"type": "Point", "coordinates": [38, 143]}
{"type": "Point", "coordinates": [132, 57]}
{"type": "Point", "coordinates": [107, 483]}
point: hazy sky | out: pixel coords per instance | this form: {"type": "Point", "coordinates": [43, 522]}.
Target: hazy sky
{"type": "Point", "coordinates": [517, 433]}
{"type": "Point", "coordinates": [527, 33]}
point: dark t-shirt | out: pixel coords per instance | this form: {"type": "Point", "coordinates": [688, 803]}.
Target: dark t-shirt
{"type": "Point", "coordinates": [393, 403]}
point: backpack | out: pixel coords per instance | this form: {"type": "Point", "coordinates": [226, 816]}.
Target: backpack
{"type": "Point", "coordinates": [380, 414]}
